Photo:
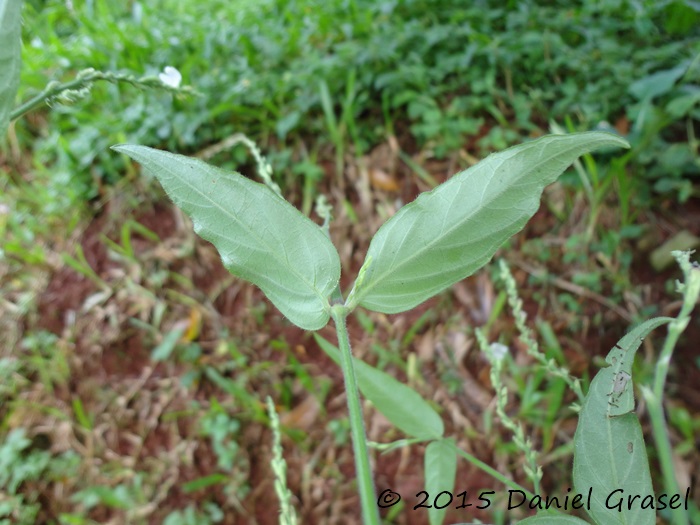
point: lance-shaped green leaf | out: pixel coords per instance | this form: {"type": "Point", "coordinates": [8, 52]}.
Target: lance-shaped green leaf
{"type": "Point", "coordinates": [440, 471]}
{"type": "Point", "coordinates": [452, 231]}
{"type": "Point", "coordinates": [610, 457]}
{"type": "Point", "coordinates": [260, 236]}
{"type": "Point", "coordinates": [400, 404]}
{"type": "Point", "coordinates": [10, 58]}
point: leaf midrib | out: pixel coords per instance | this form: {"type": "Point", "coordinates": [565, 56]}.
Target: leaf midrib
{"type": "Point", "coordinates": [393, 269]}
{"type": "Point", "coordinates": [276, 254]}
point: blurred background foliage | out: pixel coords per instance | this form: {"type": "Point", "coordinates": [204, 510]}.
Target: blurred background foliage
{"type": "Point", "coordinates": [442, 72]}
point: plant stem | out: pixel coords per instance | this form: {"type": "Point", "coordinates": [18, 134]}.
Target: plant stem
{"type": "Point", "coordinates": [84, 80]}
{"type": "Point", "coordinates": [654, 397]}
{"type": "Point", "coordinates": [368, 495]}
{"type": "Point", "coordinates": [664, 451]}
{"type": "Point", "coordinates": [54, 89]}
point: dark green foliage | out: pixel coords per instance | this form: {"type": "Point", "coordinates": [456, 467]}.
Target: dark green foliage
{"type": "Point", "coordinates": [490, 71]}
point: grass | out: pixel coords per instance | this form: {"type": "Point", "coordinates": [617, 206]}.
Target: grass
{"type": "Point", "coordinates": [95, 273]}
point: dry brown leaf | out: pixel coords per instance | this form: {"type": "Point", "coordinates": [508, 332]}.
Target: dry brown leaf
{"type": "Point", "coordinates": [303, 416]}
{"type": "Point", "coordinates": [426, 346]}
{"type": "Point", "coordinates": [381, 180]}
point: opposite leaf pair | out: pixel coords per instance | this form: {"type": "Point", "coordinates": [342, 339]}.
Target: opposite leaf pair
{"type": "Point", "coordinates": [442, 237]}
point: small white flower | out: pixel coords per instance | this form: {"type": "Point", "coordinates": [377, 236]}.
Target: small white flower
{"type": "Point", "coordinates": [499, 351]}
{"type": "Point", "coordinates": [170, 77]}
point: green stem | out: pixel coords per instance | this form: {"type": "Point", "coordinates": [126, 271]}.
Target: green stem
{"type": "Point", "coordinates": [83, 80]}
{"type": "Point", "coordinates": [494, 473]}
{"type": "Point", "coordinates": [654, 397]}
{"type": "Point", "coordinates": [368, 495]}
{"type": "Point", "coordinates": [54, 89]}
{"type": "Point", "coordinates": [664, 451]}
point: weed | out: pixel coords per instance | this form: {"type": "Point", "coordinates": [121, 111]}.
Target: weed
{"type": "Point", "coordinates": [279, 467]}
{"type": "Point", "coordinates": [482, 76]}
{"type": "Point", "coordinates": [452, 75]}
{"type": "Point", "coordinates": [22, 466]}
{"type": "Point", "coordinates": [417, 253]}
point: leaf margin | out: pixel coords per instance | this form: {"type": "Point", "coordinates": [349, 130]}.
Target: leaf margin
{"type": "Point", "coordinates": [361, 293]}
{"type": "Point", "coordinates": [155, 160]}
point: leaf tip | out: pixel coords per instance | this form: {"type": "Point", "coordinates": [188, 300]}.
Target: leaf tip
{"type": "Point", "coordinates": [618, 139]}
{"type": "Point", "coordinates": [119, 147]}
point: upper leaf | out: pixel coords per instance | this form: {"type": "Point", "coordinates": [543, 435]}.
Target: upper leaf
{"type": "Point", "coordinates": [10, 58]}
{"type": "Point", "coordinates": [260, 236]}
{"type": "Point", "coordinates": [452, 231]}
{"type": "Point", "coordinates": [610, 457]}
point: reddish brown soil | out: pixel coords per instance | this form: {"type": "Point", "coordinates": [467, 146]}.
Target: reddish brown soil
{"type": "Point", "coordinates": [111, 355]}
